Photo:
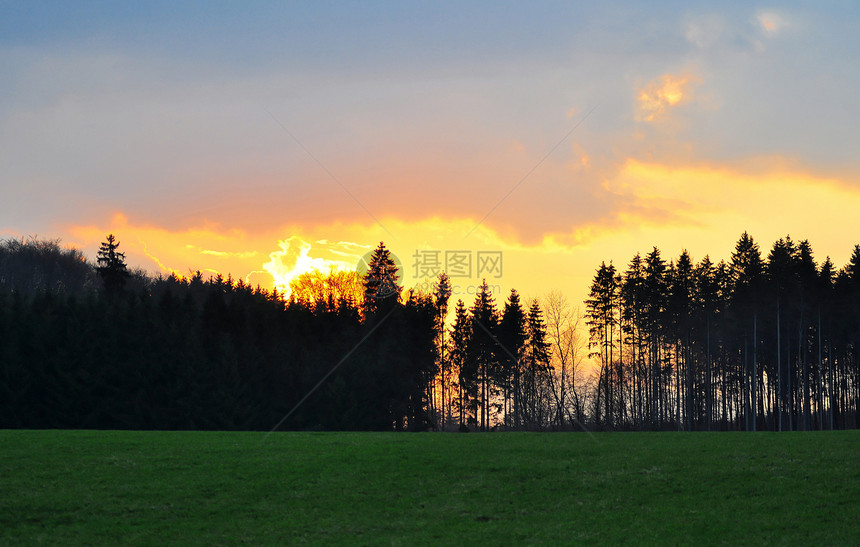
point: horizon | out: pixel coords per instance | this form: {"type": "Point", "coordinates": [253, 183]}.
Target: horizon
{"type": "Point", "coordinates": [263, 142]}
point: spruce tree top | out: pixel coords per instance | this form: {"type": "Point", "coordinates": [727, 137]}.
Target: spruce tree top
{"type": "Point", "coordinates": [111, 266]}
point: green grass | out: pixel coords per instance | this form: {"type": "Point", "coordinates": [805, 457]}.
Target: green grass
{"type": "Point", "coordinates": [405, 489]}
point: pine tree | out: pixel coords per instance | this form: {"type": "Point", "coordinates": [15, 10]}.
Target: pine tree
{"type": "Point", "coordinates": [655, 290]}
{"type": "Point", "coordinates": [482, 351]}
{"type": "Point", "coordinates": [512, 341]}
{"type": "Point", "coordinates": [850, 289]}
{"type": "Point", "coordinates": [381, 289]}
{"type": "Point", "coordinates": [537, 365]}
{"type": "Point", "coordinates": [461, 332]}
{"type": "Point", "coordinates": [706, 306]}
{"type": "Point", "coordinates": [826, 305]}
{"type": "Point", "coordinates": [680, 307]}
{"type": "Point", "coordinates": [632, 297]}
{"type": "Point", "coordinates": [111, 266]}
{"type": "Point", "coordinates": [782, 283]}
{"type": "Point", "coordinates": [806, 271]}
{"type": "Point", "coordinates": [602, 317]}
{"type": "Point", "coordinates": [747, 283]}
{"type": "Point", "coordinates": [418, 358]}
{"type": "Point", "coordinates": [724, 336]}
{"type": "Point", "coordinates": [441, 296]}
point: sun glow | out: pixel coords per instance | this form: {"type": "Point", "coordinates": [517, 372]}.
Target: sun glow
{"type": "Point", "coordinates": [704, 208]}
{"type": "Point", "coordinates": [671, 204]}
{"type": "Point", "coordinates": [293, 259]}
{"type": "Point", "coordinates": [214, 250]}
{"type": "Point", "coordinates": [659, 95]}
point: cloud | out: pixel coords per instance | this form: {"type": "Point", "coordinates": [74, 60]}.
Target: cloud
{"type": "Point", "coordinates": [211, 248]}
{"type": "Point", "coordinates": [179, 145]}
{"type": "Point", "coordinates": [183, 147]}
{"type": "Point", "coordinates": [206, 246]}
{"type": "Point", "coordinates": [251, 256]}
{"type": "Point", "coordinates": [293, 259]}
{"type": "Point", "coordinates": [655, 99]}
{"type": "Point", "coordinates": [769, 197]}
{"type": "Point", "coordinates": [581, 158]}
{"type": "Point", "coordinates": [671, 204]}
{"type": "Point", "coordinates": [247, 254]}
{"type": "Point", "coordinates": [771, 22]}
{"type": "Point", "coordinates": [704, 31]}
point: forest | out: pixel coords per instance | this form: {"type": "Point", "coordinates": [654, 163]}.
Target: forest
{"type": "Point", "coordinates": [755, 342]}
{"type": "Point", "coordinates": [752, 343]}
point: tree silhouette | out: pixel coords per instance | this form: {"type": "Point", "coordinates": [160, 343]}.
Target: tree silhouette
{"type": "Point", "coordinates": [461, 332]}
{"type": "Point", "coordinates": [746, 344]}
{"type": "Point", "coordinates": [537, 366]}
{"type": "Point", "coordinates": [706, 309]}
{"type": "Point", "coordinates": [34, 265]}
{"type": "Point", "coordinates": [601, 318]}
{"type": "Point", "coordinates": [563, 324]}
{"type": "Point", "coordinates": [513, 335]}
{"type": "Point", "coordinates": [441, 295]}
{"type": "Point", "coordinates": [111, 266]}
{"type": "Point", "coordinates": [482, 353]}
{"type": "Point", "coordinates": [733, 345]}
{"type": "Point", "coordinates": [381, 289]}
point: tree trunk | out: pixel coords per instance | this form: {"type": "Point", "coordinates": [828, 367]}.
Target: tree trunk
{"type": "Point", "coordinates": [755, 372]}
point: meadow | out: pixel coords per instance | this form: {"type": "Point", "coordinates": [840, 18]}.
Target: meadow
{"type": "Point", "coordinates": [402, 489]}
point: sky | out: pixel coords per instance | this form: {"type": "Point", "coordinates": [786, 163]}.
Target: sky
{"type": "Point", "coordinates": [524, 143]}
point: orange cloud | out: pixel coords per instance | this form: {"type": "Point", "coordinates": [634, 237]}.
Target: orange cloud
{"type": "Point", "coordinates": [580, 160]}
{"type": "Point", "coordinates": [275, 258]}
{"type": "Point", "coordinates": [206, 248]}
{"type": "Point", "coordinates": [771, 22]}
{"type": "Point", "coordinates": [210, 252]}
{"type": "Point", "coordinates": [293, 259]}
{"type": "Point", "coordinates": [705, 207]}
{"type": "Point", "coordinates": [656, 98]}
{"type": "Point", "coordinates": [210, 248]}
{"type": "Point", "coordinates": [701, 207]}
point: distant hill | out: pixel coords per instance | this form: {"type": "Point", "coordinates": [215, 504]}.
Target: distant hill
{"type": "Point", "coordinates": [31, 265]}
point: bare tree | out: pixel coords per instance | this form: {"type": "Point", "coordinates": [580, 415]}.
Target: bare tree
{"type": "Point", "coordinates": [569, 348]}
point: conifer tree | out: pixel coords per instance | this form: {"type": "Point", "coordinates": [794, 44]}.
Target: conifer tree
{"type": "Point", "coordinates": [513, 335]}
{"type": "Point", "coordinates": [381, 289]}
{"type": "Point", "coordinates": [782, 284]}
{"type": "Point", "coordinates": [441, 296]}
{"type": "Point", "coordinates": [680, 308]}
{"type": "Point", "coordinates": [632, 300]}
{"type": "Point", "coordinates": [461, 332]}
{"type": "Point", "coordinates": [601, 318]}
{"type": "Point", "coordinates": [747, 271]}
{"type": "Point", "coordinates": [706, 303]}
{"type": "Point", "coordinates": [655, 289]}
{"type": "Point", "coordinates": [482, 349]}
{"type": "Point", "coordinates": [537, 364]}
{"type": "Point", "coordinates": [111, 266]}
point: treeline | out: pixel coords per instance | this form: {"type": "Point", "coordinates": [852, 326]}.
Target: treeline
{"type": "Point", "coordinates": [752, 343]}
{"type": "Point", "coordinates": [767, 343]}
{"type": "Point", "coordinates": [511, 368]}
{"type": "Point", "coordinates": [96, 346]}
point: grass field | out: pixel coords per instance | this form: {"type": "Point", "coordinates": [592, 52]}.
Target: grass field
{"type": "Point", "coordinates": [404, 489]}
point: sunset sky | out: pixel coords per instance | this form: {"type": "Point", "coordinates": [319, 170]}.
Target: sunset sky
{"type": "Point", "coordinates": [263, 139]}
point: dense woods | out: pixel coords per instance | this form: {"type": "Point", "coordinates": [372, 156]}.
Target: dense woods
{"type": "Point", "coordinates": [752, 343]}
{"type": "Point", "coordinates": [80, 349]}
